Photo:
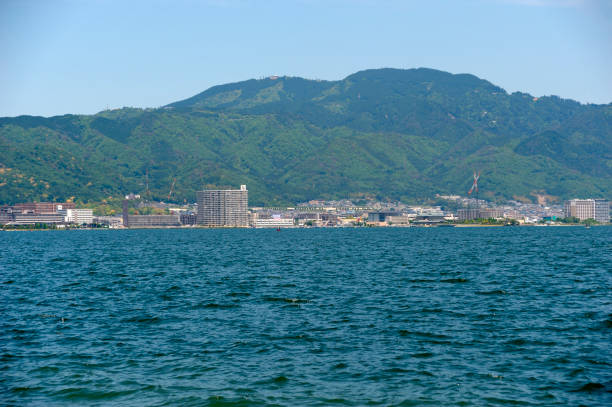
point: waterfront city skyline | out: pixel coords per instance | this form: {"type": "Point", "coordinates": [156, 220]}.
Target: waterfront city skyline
{"type": "Point", "coordinates": [306, 202]}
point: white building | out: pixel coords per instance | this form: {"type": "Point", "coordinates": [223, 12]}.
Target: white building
{"type": "Point", "coordinates": [79, 216]}
{"type": "Point", "coordinates": [580, 208]}
{"type": "Point", "coordinates": [274, 223]}
{"type": "Point", "coordinates": [112, 221]}
{"type": "Point", "coordinates": [598, 209]}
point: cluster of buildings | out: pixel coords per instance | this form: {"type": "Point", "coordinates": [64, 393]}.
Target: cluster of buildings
{"type": "Point", "coordinates": [229, 208]}
{"type": "Point", "coordinates": [582, 209]}
{"type": "Point", "coordinates": [49, 213]}
{"type": "Point", "coordinates": [215, 208]}
{"type": "Point", "coordinates": [597, 209]}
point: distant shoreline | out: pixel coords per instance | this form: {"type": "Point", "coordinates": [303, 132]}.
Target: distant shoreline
{"type": "Point", "coordinates": [290, 228]}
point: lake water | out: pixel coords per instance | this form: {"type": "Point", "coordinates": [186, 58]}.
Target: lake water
{"type": "Point", "coordinates": [406, 316]}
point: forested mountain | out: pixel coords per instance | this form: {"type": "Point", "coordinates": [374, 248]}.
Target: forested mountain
{"type": "Point", "coordinates": [389, 133]}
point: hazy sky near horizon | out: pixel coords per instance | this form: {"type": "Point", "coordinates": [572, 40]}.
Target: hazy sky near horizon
{"type": "Point", "coordinates": [72, 56]}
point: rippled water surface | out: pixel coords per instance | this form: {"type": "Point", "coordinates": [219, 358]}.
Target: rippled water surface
{"type": "Point", "coordinates": [470, 316]}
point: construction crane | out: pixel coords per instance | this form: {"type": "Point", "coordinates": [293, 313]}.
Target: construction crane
{"type": "Point", "coordinates": [475, 183]}
{"type": "Point", "coordinates": [475, 186]}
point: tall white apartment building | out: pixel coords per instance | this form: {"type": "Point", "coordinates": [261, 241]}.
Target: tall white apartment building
{"type": "Point", "coordinates": [223, 207]}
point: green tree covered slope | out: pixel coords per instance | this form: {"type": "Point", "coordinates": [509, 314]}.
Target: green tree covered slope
{"type": "Point", "coordinates": [389, 133]}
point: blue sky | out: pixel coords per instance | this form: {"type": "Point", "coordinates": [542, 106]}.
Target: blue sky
{"type": "Point", "coordinates": [76, 56]}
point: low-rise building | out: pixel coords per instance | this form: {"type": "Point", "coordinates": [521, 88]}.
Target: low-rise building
{"type": "Point", "coordinates": [31, 214]}
{"type": "Point", "coordinates": [382, 216]}
{"type": "Point", "coordinates": [34, 218]}
{"type": "Point", "coordinates": [110, 221]}
{"type": "Point", "coordinates": [491, 213]}
{"type": "Point", "coordinates": [468, 214]}
{"type": "Point", "coordinates": [143, 221]}
{"type": "Point", "coordinates": [274, 223]}
{"type": "Point", "coordinates": [189, 219]}
{"type": "Point", "coordinates": [79, 216]}
{"type": "Point", "coordinates": [400, 220]}
{"type": "Point", "coordinates": [43, 207]}
{"type": "Point", "coordinates": [480, 213]}
{"type": "Point", "coordinates": [5, 218]}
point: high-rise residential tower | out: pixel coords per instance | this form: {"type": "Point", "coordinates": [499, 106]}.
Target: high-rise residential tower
{"type": "Point", "coordinates": [223, 207]}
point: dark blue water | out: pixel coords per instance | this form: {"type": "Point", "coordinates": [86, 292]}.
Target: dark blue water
{"type": "Point", "coordinates": [479, 316]}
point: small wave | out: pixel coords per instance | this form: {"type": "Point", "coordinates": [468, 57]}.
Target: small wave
{"type": "Point", "coordinates": [498, 400]}
{"type": "Point", "coordinates": [597, 362]}
{"type": "Point", "coordinates": [336, 401]}
{"type": "Point", "coordinates": [422, 355]}
{"type": "Point", "coordinates": [300, 337]}
{"type": "Point", "coordinates": [24, 389]}
{"type": "Point", "coordinates": [287, 300]}
{"type": "Point", "coordinates": [561, 360]}
{"type": "Point", "coordinates": [576, 372]}
{"type": "Point", "coordinates": [87, 394]}
{"type": "Point", "coordinates": [220, 401]}
{"type": "Point", "coordinates": [592, 387]}
{"type": "Point", "coordinates": [239, 294]}
{"type": "Point", "coordinates": [492, 292]}
{"type": "Point", "coordinates": [404, 332]}
{"type": "Point", "coordinates": [522, 342]}
{"type": "Point", "coordinates": [399, 370]}
{"type": "Point", "coordinates": [45, 370]}
{"type": "Point", "coordinates": [275, 380]}
{"type": "Point", "coordinates": [432, 310]}
{"type": "Point", "coordinates": [419, 402]}
{"type": "Point", "coordinates": [220, 306]}
{"type": "Point", "coordinates": [143, 320]}
{"type": "Point", "coordinates": [455, 280]}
